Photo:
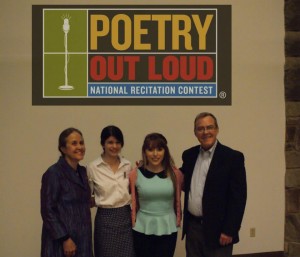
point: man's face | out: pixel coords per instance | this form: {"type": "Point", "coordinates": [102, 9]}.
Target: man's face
{"type": "Point", "coordinates": [206, 132]}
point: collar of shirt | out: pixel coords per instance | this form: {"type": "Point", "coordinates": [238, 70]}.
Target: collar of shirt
{"type": "Point", "coordinates": [149, 174]}
{"type": "Point", "coordinates": [123, 161]}
{"type": "Point", "coordinates": [211, 150]}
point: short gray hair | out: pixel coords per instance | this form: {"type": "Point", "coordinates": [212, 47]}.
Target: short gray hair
{"type": "Point", "coordinates": [203, 115]}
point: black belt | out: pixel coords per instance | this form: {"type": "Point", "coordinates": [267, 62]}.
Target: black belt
{"type": "Point", "coordinates": [196, 218]}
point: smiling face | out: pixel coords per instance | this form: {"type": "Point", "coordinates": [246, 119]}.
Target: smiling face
{"type": "Point", "coordinates": [206, 131]}
{"type": "Point", "coordinates": [74, 149]}
{"type": "Point", "coordinates": [155, 157]}
{"type": "Point", "coordinates": [112, 147]}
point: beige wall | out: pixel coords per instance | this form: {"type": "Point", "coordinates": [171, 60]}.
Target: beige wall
{"type": "Point", "coordinates": [254, 124]}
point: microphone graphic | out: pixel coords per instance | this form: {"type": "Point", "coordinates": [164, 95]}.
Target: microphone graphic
{"type": "Point", "coordinates": [66, 29]}
{"type": "Point", "coordinates": [66, 26]}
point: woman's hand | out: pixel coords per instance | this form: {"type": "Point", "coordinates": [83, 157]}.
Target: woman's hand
{"type": "Point", "coordinates": [139, 163]}
{"type": "Point", "coordinates": [92, 202]}
{"type": "Point", "coordinates": [69, 248]}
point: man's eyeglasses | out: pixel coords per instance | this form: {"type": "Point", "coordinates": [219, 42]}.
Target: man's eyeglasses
{"type": "Point", "coordinates": [207, 128]}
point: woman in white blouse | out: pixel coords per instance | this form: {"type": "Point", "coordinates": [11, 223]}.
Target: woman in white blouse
{"type": "Point", "coordinates": [108, 178]}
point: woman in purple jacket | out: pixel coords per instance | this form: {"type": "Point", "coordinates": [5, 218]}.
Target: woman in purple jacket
{"type": "Point", "coordinates": [65, 202]}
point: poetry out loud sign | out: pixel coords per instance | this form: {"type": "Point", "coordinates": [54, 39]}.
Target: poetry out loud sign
{"type": "Point", "coordinates": [131, 55]}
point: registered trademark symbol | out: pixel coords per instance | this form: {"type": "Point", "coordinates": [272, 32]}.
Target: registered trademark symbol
{"type": "Point", "coordinates": [222, 94]}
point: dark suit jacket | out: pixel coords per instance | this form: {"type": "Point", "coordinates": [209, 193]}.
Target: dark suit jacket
{"type": "Point", "coordinates": [65, 209]}
{"type": "Point", "coordinates": [224, 196]}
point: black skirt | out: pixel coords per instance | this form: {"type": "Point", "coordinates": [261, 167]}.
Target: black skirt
{"type": "Point", "coordinates": [113, 232]}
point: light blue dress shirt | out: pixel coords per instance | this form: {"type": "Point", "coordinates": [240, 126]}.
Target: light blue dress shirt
{"type": "Point", "coordinates": [198, 180]}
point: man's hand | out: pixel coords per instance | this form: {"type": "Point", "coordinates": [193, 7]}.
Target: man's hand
{"type": "Point", "coordinates": [225, 240]}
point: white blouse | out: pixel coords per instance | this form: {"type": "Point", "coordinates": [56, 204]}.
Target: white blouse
{"type": "Point", "coordinates": [111, 189]}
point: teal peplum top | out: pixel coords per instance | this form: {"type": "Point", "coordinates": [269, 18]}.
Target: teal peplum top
{"type": "Point", "coordinates": [156, 215]}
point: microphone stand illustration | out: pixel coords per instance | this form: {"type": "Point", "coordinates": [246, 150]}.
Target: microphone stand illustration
{"type": "Point", "coordinates": [66, 29]}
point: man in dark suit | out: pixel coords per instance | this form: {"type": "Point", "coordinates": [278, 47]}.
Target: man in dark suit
{"type": "Point", "coordinates": [215, 192]}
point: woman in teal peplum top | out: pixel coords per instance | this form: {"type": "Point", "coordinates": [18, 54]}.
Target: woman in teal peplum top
{"type": "Point", "coordinates": [156, 211]}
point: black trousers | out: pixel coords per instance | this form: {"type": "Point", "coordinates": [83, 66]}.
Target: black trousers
{"type": "Point", "coordinates": [195, 245]}
{"type": "Point", "coordinates": [154, 246]}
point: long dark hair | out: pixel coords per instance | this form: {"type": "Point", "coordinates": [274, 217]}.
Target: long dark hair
{"type": "Point", "coordinates": [63, 136]}
{"type": "Point", "coordinates": [157, 140]}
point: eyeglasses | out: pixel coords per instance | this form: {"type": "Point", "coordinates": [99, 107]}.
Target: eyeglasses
{"type": "Point", "coordinates": [207, 128]}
